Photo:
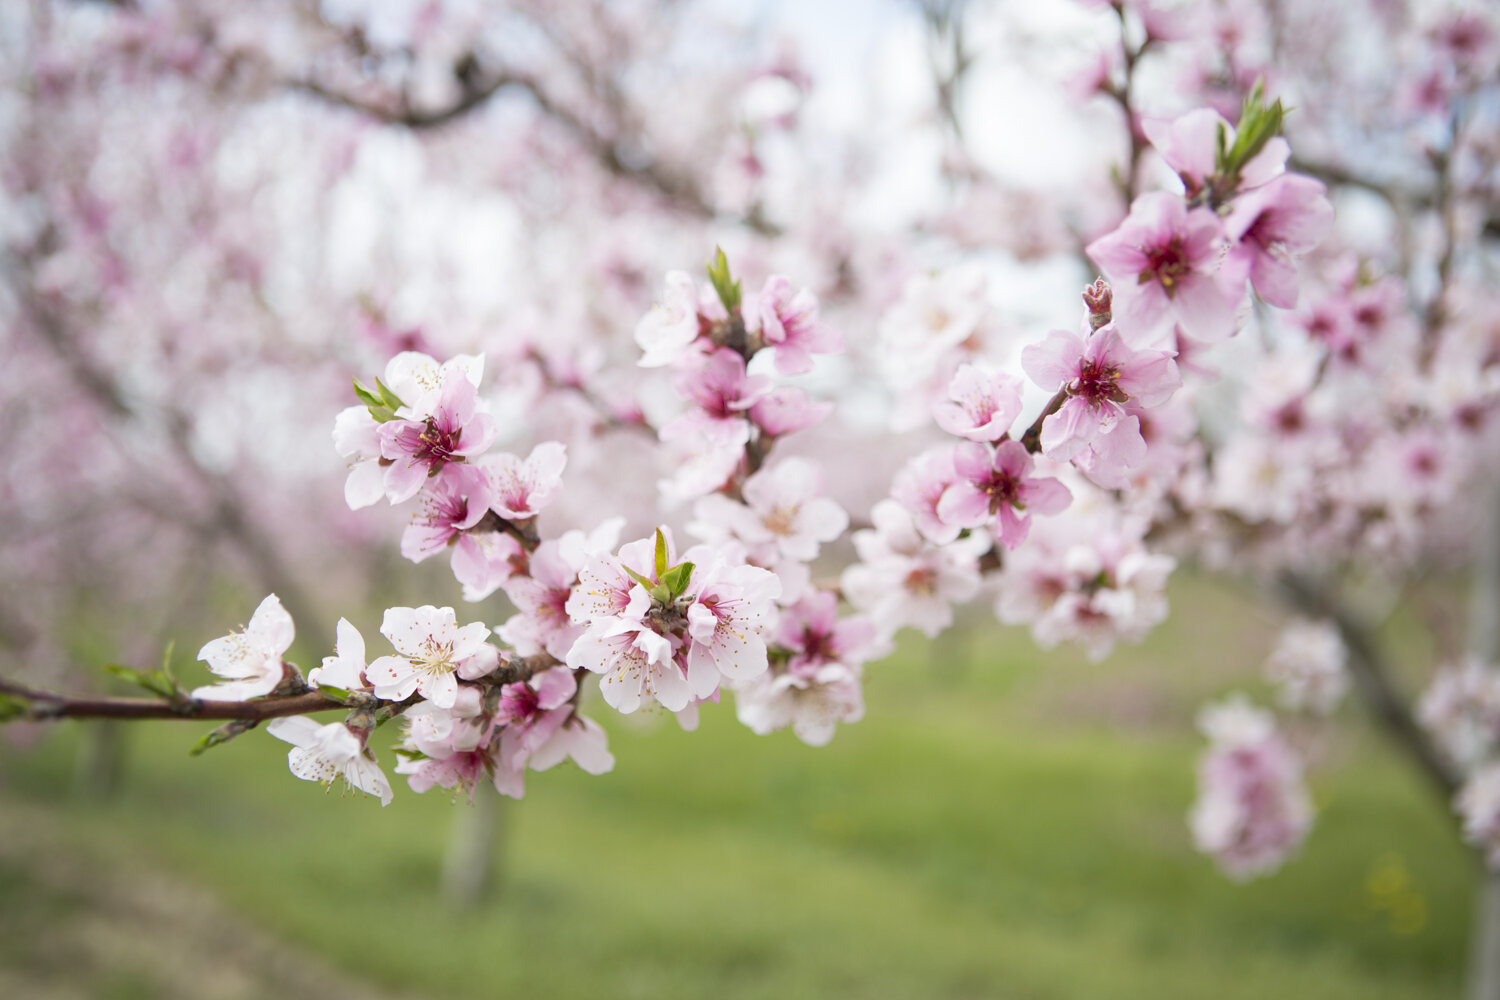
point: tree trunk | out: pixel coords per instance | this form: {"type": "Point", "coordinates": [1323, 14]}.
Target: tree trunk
{"type": "Point", "coordinates": [1484, 643]}
{"type": "Point", "coordinates": [470, 872]}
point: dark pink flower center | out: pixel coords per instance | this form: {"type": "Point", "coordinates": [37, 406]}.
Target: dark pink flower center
{"type": "Point", "coordinates": [1098, 383]}
{"type": "Point", "coordinates": [1168, 264]}
{"type": "Point", "coordinates": [435, 445]}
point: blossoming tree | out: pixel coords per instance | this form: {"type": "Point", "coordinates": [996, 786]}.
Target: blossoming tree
{"type": "Point", "coordinates": [740, 482]}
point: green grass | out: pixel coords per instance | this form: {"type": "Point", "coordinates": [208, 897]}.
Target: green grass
{"type": "Point", "coordinates": [1009, 828]}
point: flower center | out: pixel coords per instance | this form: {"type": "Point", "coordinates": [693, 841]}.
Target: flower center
{"type": "Point", "coordinates": [1168, 264]}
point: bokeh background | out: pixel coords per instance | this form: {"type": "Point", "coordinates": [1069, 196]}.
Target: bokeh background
{"type": "Point", "coordinates": [214, 214]}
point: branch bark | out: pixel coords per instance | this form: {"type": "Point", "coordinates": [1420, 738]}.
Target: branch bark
{"type": "Point", "coordinates": [1372, 677]}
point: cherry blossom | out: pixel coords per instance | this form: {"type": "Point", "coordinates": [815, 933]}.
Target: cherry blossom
{"type": "Point", "coordinates": [328, 752]}
{"type": "Point", "coordinates": [999, 486]}
{"type": "Point", "coordinates": [432, 653]}
{"type": "Point", "coordinates": [1252, 809]}
{"type": "Point", "coordinates": [1163, 262]}
{"type": "Point", "coordinates": [251, 660]}
{"type": "Point", "coordinates": [982, 405]}
{"type": "Point", "coordinates": [789, 322]}
{"type": "Point", "coordinates": [521, 488]}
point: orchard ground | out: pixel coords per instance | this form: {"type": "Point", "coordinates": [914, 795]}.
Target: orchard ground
{"type": "Point", "coordinates": [1004, 823]}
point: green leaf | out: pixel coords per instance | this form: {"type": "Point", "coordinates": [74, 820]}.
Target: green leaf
{"type": "Point", "coordinates": [676, 579]}
{"type": "Point", "coordinates": [337, 693]}
{"type": "Point", "coordinates": [661, 553]}
{"type": "Point", "coordinates": [387, 396]}
{"type": "Point", "coordinates": [718, 275]}
{"type": "Point", "coordinates": [367, 397]}
{"type": "Point", "coordinates": [223, 734]}
{"type": "Point", "coordinates": [154, 681]}
{"type": "Point", "coordinates": [1259, 123]}
{"type": "Point", "coordinates": [12, 707]}
{"type": "Point", "coordinates": [648, 584]}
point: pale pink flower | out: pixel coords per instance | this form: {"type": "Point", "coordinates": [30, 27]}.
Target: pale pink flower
{"type": "Point", "coordinates": [789, 322]}
{"type": "Point", "coordinates": [999, 487]}
{"type": "Point", "coordinates": [250, 661]}
{"type": "Point", "coordinates": [541, 729]}
{"type": "Point", "coordinates": [717, 385]}
{"type": "Point", "coordinates": [433, 652]}
{"type": "Point", "coordinates": [1270, 227]}
{"type": "Point", "coordinates": [1085, 580]}
{"type": "Point", "coordinates": [1461, 709]}
{"type": "Point", "coordinates": [812, 703]}
{"type": "Point", "coordinates": [541, 597]}
{"type": "Point", "coordinates": [346, 668]}
{"type": "Point", "coordinates": [443, 512]}
{"type": "Point", "coordinates": [667, 332]}
{"type": "Point", "coordinates": [733, 605]}
{"type": "Point", "coordinates": [705, 453]}
{"type": "Point", "coordinates": [324, 753]}
{"type": "Point", "coordinates": [1189, 141]}
{"type": "Point", "coordinates": [356, 436]}
{"type": "Point", "coordinates": [520, 489]}
{"type": "Point", "coordinates": [637, 663]}
{"type": "Point", "coordinates": [789, 514]}
{"type": "Point", "coordinates": [1252, 809]}
{"type": "Point", "coordinates": [1308, 666]}
{"type": "Point", "coordinates": [1100, 375]}
{"type": "Point", "coordinates": [983, 404]}
{"type": "Point", "coordinates": [903, 579]}
{"type": "Point", "coordinates": [456, 430]}
{"type": "Point", "coordinates": [919, 487]}
{"type": "Point", "coordinates": [418, 380]}
{"type": "Point", "coordinates": [812, 632]}
{"type": "Point", "coordinates": [484, 560]}
{"type": "Point", "coordinates": [1163, 262]}
{"type": "Point", "coordinates": [787, 410]}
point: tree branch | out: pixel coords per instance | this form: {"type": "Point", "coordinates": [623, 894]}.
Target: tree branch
{"type": "Point", "coordinates": [1372, 677]}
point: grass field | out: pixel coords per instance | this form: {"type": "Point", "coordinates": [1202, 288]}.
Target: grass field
{"type": "Point", "coordinates": [1003, 824]}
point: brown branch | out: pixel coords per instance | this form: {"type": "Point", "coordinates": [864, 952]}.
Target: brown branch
{"type": "Point", "coordinates": [1372, 677]}
{"type": "Point", "coordinates": [45, 705]}
{"type": "Point", "coordinates": [1032, 439]}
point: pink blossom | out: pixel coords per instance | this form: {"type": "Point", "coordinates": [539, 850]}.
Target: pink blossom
{"type": "Point", "coordinates": [325, 753]}
{"type": "Point", "coordinates": [1270, 227]}
{"type": "Point", "coordinates": [520, 489]}
{"type": "Point", "coordinates": [789, 323]}
{"type": "Point", "coordinates": [999, 486]}
{"type": "Point", "coordinates": [484, 560]}
{"type": "Point", "coordinates": [419, 380]}
{"type": "Point", "coordinates": [919, 487]}
{"type": "Point", "coordinates": [420, 449]}
{"type": "Point", "coordinates": [813, 634]}
{"type": "Point", "coordinates": [1188, 144]}
{"type": "Point", "coordinates": [903, 579]}
{"type": "Point", "coordinates": [812, 703]}
{"type": "Point", "coordinates": [705, 452]}
{"type": "Point", "coordinates": [1163, 262]}
{"type": "Point", "coordinates": [432, 653]}
{"type": "Point", "coordinates": [1461, 709]}
{"type": "Point", "coordinates": [1100, 375]}
{"type": "Point", "coordinates": [1307, 666]}
{"type": "Point", "coordinates": [251, 660]}
{"type": "Point", "coordinates": [717, 384]}
{"type": "Point", "coordinates": [541, 597]}
{"type": "Point", "coordinates": [443, 512]}
{"type": "Point", "coordinates": [983, 405]}
{"type": "Point", "coordinates": [542, 728]}
{"type": "Point", "coordinates": [1253, 809]}
{"type": "Point", "coordinates": [1085, 579]}
{"type": "Point", "coordinates": [733, 605]}
{"type": "Point", "coordinates": [787, 410]}
{"type": "Point", "coordinates": [346, 668]}
{"type": "Point", "coordinates": [637, 663]}
{"type": "Point", "coordinates": [668, 331]}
